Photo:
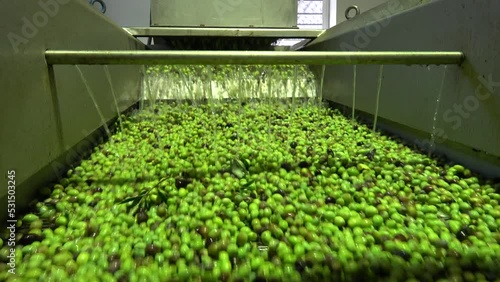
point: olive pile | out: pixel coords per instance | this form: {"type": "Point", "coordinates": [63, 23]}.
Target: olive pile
{"type": "Point", "coordinates": [321, 199]}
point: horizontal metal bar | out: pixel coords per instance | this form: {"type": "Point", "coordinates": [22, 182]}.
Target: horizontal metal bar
{"type": "Point", "coordinates": [222, 32]}
{"type": "Point", "coordinates": [101, 57]}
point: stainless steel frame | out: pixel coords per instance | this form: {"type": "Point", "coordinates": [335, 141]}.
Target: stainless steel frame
{"type": "Point", "coordinates": [224, 13]}
{"type": "Point", "coordinates": [105, 57]}
{"type": "Point", "coordinates": [47, 116]}
{"type": "Point", "coordinates": [222, 32]}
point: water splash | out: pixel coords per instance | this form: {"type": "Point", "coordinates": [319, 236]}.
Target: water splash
{"type": "Point", "coordinates": [378, 96]}
{"type": "Point", "coordinates": [436, 110]}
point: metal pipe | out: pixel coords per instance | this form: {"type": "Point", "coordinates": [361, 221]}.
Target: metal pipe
{"type": "Point", "coordinates": [109, 57]}
{"type": "Point", "coordinates": [222, 32]}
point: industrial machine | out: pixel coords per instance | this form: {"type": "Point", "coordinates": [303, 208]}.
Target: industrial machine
{"type": "Point", "coordinates": [440, 91]}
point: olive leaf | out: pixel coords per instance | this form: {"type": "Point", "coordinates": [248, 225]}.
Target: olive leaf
{"type": "Point", "coordinates": [130, 199]}
{"type": "Point", "coordinates": [239, 168]}
{"type": "Point", "coordinates": [135, 203]}
{"type": "Point", "coordinates": [141, 199]}
{"type": "Point", "coordinates": [162, 196]}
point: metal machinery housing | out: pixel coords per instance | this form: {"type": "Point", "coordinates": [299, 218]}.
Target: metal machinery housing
{"type": "Point", "coordinates": [48, 119]}
{"type": "Point", "coordinates": [224, 13]}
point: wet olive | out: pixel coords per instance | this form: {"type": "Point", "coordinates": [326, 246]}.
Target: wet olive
{"type": "Point", "coordinates": [30, 238]}
{"type": "Point", "coordinates": [330, 200]}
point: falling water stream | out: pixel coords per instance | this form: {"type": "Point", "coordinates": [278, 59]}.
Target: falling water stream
{"type": "Point", "coordinates": [145, 86]}
{"type": "Point", "coordinates": [436, 110]}
{"type": "Point", "coordinates": [210, 95]}
{"type": "Point", "coordinates": [91, 94]}
{"type": "Point", "coordinates": [323, 69]}
{"type": "Point", "coordinates": [108, 76]}
{"type": "Point", "coordinates": [241, 95]}
{"type": "Point", "coordinates": [295, 82]}
{"type": "Point", "coordinates": [268, 100]}
{"type": "Point", "coordinates": [381, 71]}
{"type": "Point", "coordinates": [354, 91]}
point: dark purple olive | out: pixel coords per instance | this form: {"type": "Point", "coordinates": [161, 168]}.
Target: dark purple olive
{"type": "Point", "coordinates": [182, 182]}
{"type": "Point", "coordinates": [406, 256]}
{"type": "Point", "coordinates": [304, 164]}
{"type": "Point", "coordinates": [152, 250]}
{"type": "Point", "coordinates": [30, 239]}
{"type": "Point", "coordinates": [114, 266]}
{"type": "Point", "coordinates": [175, 256]}
{"type": "Point", "coordinates": [113, 257]}
{"type": "Point", "coordinates": [281, 192]}
{"type": "Point", "coordinates": [286, 166]}
{"type": "Point", "coordinates": [91, 231]}
{"type": "Point", "coordinates": [400, 237]}
{"type": "Point", "coordinates": [371, 155]}
{"type": "Point", "coordinates": [300, 265]}
{"type": "Point", "coordinates": [142, 216]}
{"type": "Point", "coordinates": [97, 190]}
{"type": "Point", "coordinates": [293, 145]}
{"type": "Point", "coordinates": [330, 200]}
{"type": "Point", "coordinates": [464, 233]}
{"type": "Point", "coordinates": [428, 189]}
